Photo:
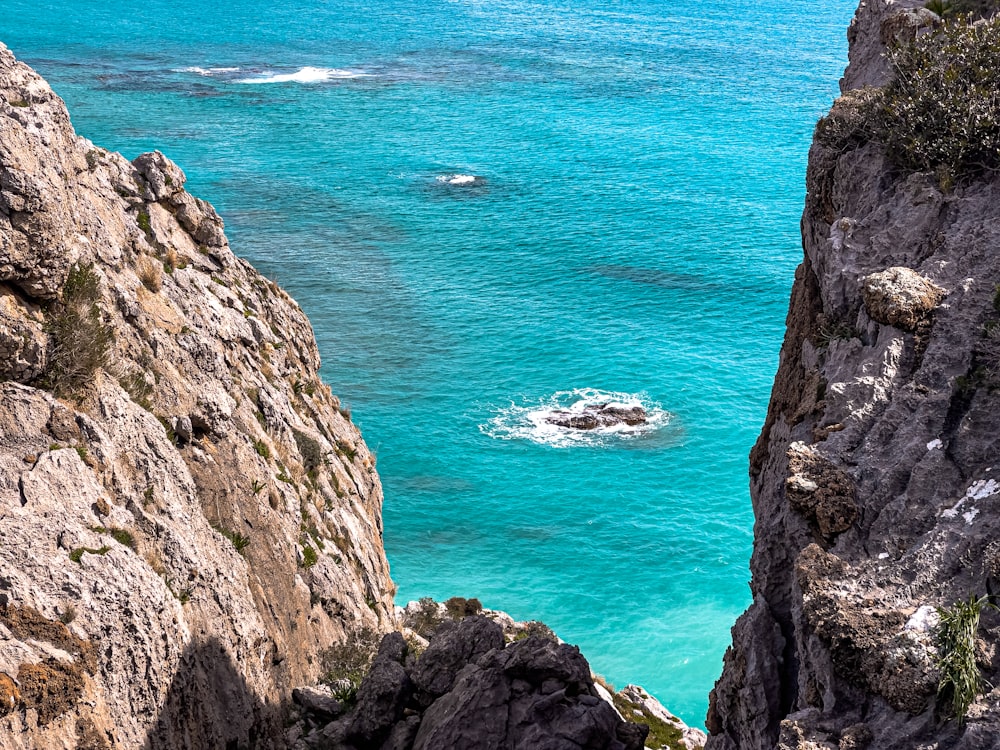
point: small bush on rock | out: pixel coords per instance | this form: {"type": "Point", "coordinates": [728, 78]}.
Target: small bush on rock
{"type": "Point", "coordinates": [960, 680]}
{"type": "Point", "coordinates": [940, 111]}
{"type": "Point", "coordinates": [346, 664]}
{"type": "Point", "coordinates": [79, 341]}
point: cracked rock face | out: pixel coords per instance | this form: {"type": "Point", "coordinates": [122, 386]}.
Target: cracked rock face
{"type": "Point", "coordinates": [875, 478]}
{"type": "Point", "coordinates": [471, 690]}
{"type": "Point", "coordinates": [184, 529]}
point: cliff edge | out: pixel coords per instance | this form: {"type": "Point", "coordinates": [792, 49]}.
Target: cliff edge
{"type": "Point", "coordinates": [876, 479]}
{"type": "Point", "coordinates": [187, 516]}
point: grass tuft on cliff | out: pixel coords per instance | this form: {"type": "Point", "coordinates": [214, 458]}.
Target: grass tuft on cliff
{"type": "Point", "coordinates": [941, 111]}
{"type": "Point", "coordinates": [960, 680]}
{"type": "Point", "coordinates": [79, 340]}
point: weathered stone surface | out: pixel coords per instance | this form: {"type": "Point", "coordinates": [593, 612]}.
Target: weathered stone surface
{"type": "Point", "coordinates": [452, 647]}
{"type": "Point", "coordinates": [318, 701]}
{"type": "Point", "coordinates": [598, 415]}
{"type": "Point", "coordinates": [532, 693]}
{"type": "Point", "coordinates": [899, 297]}
{"type": "Point", "coordinates": [128, 530]}
{"type": "Point", "coordinates": [874, 481]}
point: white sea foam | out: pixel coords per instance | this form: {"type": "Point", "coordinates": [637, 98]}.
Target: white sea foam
{"type": "Point", "coordinates": [207, 72]}
{"type": "Point", "coordinates": [307, 74]}
{"type": "Point", "coordinates": [459, 179]}
{"type": "Point", "coordinates": [530, 421]}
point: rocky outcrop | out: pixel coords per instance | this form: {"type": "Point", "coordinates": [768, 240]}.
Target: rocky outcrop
{"type": "Point", "coordinates": [469, 689]}
{"type": "Point", "coordinates": [593, 416]}
{"type": "Point", "coordinates": [874, 479]}
{"type": "Point", "coordinates": [187, 517]}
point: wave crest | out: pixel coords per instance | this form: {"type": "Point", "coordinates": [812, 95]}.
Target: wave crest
{"type": "Point", "coordinates": [532, 421]}
{"type": "Point", "coordinates": [307, 74]}
{"type": "Point", "coordinates": [460, 180]}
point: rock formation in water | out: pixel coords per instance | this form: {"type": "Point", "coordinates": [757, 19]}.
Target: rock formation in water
{"type": "Point", "coordinates": [187, 516]}
{"type": "Point", "coordinates": [876, 479]}
{"type": "Point", "coordinates": [593, 416]}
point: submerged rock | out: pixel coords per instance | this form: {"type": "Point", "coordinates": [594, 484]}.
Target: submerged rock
{"type": "Point", "coordinates": [594, 416]}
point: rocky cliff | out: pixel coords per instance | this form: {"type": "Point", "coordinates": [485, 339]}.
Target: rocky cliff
{"type": "Point", "coordinates": [187, 516]}
{"type": "Point", "coordinates": [876, 479]}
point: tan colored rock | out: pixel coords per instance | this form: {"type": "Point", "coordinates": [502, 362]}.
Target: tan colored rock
{"type": "Point", "coordinates": [180, 551]}
{"type": "Point", "coordinates": [900, 297]}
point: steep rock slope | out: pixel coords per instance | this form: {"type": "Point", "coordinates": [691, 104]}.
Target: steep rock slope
{"type": "Point", "coordinates": [187, 517]}
{"type": "Point", "coordinates": [875, 479]}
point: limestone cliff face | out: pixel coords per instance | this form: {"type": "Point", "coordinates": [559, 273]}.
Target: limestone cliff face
{"type": "Point", "coordinates": [186, 515]}
{"type": "Point", "coordinates": [875, 479]}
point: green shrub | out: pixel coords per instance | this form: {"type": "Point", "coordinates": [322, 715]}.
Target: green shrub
{"type": "Point", "coordinates": [957, 8]}
{"type": "Point", "coordinates": [459, 607]}
{"type": "Point", "coordinates": [310, 450]}
{"type": "Point", "coordinates": [262, 450]}
{"type": "Point", "coordinates": [960, 680]}
{"type": "Point", "coordinates": [77, 554]}
{"type": "Point", "coordinates": [239, 541]}
{"type": "Point", "coordinates": [309, 556]}
{"type": "Point", "coordinates": [79, 341]}
{"type": "Point", "coordinates": [939, 112]}
{"type": "Point", "coordinates": [345, 665]}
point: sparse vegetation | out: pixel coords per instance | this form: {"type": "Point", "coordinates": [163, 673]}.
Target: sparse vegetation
{"type": "Point", "coordinates": [124, 537]}
{"type": "Point", "coordinates": [138, 389]}
{"type": "Point", "coordinates": [347, 450]}
{"type": "Point", "coordinates": [661, 733]}
{"type": "Point", "coordinates": [68, 614]}
{"type": "Point", "coordinates": [310, 450]}
{"type": "Point", "coordinates": [256, 486]}
{"type": "Point", "coordinates": [536, 628]}
{"type": "Point", "coordinates": [80, 341]}
{"type": "Point", "coordinates": [949, 9]}
{"type": "Point", "coordinates": [459, 607]}
{"type": "Point", "coordinates": [345, 665]}
{"type": "Point", "coordinates": [961, 681]}
{"type": "Point", "coordinates": [309, 556]}
{"type": "Point", "coordinates": [150, 273]}
{"type": "Point", "coordinates": [238, 540]}
{"type": "Point", "coordinates": [262, 450]}
{"type": "Point", "coordinates": [77, 554]}
{"type": "Point", "coordinates": [939, 112]}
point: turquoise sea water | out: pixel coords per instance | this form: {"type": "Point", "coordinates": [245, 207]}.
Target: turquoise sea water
{"type": "Point", "coordinates": [634, 231]}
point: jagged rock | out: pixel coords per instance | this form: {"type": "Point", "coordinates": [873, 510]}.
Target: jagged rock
{"type": "Point", "coordinates": [452, 647]}
{"type": "Point", "coordinates": [533, 693]}
{"type": "Point", "coordinates": [900, 297]}
{"type": "Point", "coordinates": [598, 415]}
{"type": "Point", "coordinates": [874, 480]}
{"type": "Point", "coordinates": [146, 505]}
{"type": "Point", "coordinates": [318, 701]}
{"type": "Point", "coordinates": [820, 491]}
{"type": "Point", "coordinates": [381, 699]}
{"type": "Point", "coordinates": [23, 342]}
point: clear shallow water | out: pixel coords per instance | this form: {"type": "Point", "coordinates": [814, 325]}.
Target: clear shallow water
{"type": "Point", "coordinates": [633, 230]}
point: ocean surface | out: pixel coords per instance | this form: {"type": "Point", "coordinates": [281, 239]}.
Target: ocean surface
{"type": "Point", "coordinates": [492, 210]}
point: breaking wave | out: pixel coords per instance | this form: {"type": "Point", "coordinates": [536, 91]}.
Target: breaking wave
{"type": "Point", "coordinates": [460, 180]}
{"type": "Point", "coordinates": [531, 421]}
{"type": "Point", "coordinates": [307, 74]}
